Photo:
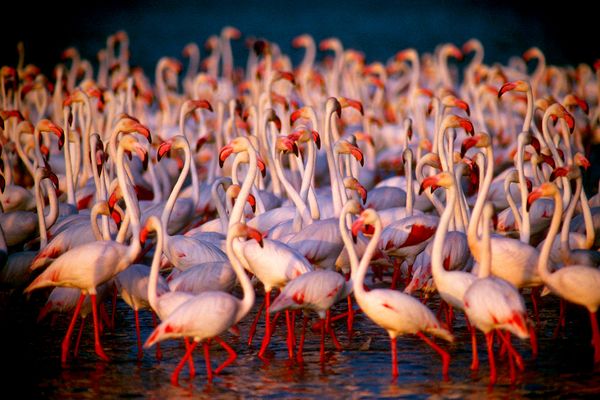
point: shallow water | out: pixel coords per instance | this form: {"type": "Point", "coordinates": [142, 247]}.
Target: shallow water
{"type": "Point", "coordinates": [563, 368]}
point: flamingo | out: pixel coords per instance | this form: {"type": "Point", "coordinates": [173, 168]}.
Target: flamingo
{"type": "Point", "coordinates": [398, 313]}
{"type": "Point", "coordinates": [493, 304]}
{"type": "Point", "coordinates": [210, 313]}
{"type": "Point", "coordinates": [575, 283]}
{"type": "Point", "coordinates": [91, 264]}
{"type": "Point", "coordinates": [451, 285]}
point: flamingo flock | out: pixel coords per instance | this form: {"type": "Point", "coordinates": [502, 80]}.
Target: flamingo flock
{"type": "Point", "coordinates": [312, 187]}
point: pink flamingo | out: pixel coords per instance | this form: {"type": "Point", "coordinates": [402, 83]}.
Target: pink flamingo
{"type": "Point", "coordinates": [577, 284]}
{"type": "Point", "coordinates": [209, 314]}
{"type": "Point", "coordinates": [493, 304]}
{"type": "Point", "coordinates": [91, 264]}
{"type": "Point", "coordinates": [396, 312]}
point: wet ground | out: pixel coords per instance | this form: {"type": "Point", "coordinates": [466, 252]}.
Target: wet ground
{"type": "Point", "coordinates": [31, 360]}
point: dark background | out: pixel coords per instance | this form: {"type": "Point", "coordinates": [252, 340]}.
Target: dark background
{"type": "Point", "coordinates": [378, 28]}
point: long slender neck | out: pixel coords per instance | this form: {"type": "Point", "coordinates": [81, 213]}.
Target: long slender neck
{"type": "Point", "coordinates": [409, 182]}
{"type": "Point", "coordinates": [132, 207]}
{"type": "Point", "coordinates": [511, 202]}
{"type": "Point", "coordinates": [437, 268]}
{"type": "Point", "coordinates": [166, 214]}
{"type": "Point", "coordinates": [331, 164]}
{"type": "Point", "coordinates": [525, 227]}
{"type": "Point", "coordinates": [238, 208]}
{"type": "Point", "coordinates": [542, 266]}
{"type": "Point", "coordinates": [472, 236]}
{"type": "Point", "coordinates": [359, 290]}
{"type": "Point", "coordinates": [590, 233]}
{"type": "Point", "coordinates": [153, 278]}
{"type": "Point", "coordinates": [292, 194]}
{"type": "Point", "coordinates": [68, 164]}
{"type": "Point", "coordinates": [248, 290]}
{"type": "Point", "coordinates": [485, 264]}
{"type": "Point", "coordinates": [564, 233]}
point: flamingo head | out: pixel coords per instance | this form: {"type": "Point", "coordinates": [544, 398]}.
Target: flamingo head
{"type": "Point", "coordinates": [189, 49]}
{"type": "Point", "coordinates": [572, 100]}
{"type": "Point", "coordinates": [237, 145]}
{"type": "Point", "coordinates": [45, 125]}
{"type": "Point", "coordinates": [333, 106]}
{"type": "Point", "coordinates": [559, 172]}
{"type": "Point", "coordinates": [130, 145]}
{"type": "Point", "coordinates": [129, 124]}
{"type": "Point", "coordinates": [302, 112]}
{"type": "Point", "coordinates": [353, 184]}
{"type": "Point", "coordinates": [546, 189]}
{"type": "Point", "coordinates": [453, 101]}
{"type": "Point", "coordinates": [479, 140]}
{"type": "Point", "coordinates": [261, 47]}
{"type": "Point", "coordinates": [365, 222]}
{"type": "Point", "coordinates": [303, 40]}
{"type": "Point", "coordinates": [286, 145]}
{"type": "Point", "coordinates": [581, 160]}
{"type": "Point", "coordinates": [519, 86]}
{"type": "Point", "coordinates": [454, 121]}
{"type": "Point", "coordinates": [356, 104]}
{"type": "Point", "coordinates": [271, 116]}
{"type": "Point", "coordinates": [163, 149]}
{"type": "Point", "coordinates": [343, 146]}
{"type": "Point", "coordinates": [191, 105]}
{"type": "Point", "coordinates": [443, 179]}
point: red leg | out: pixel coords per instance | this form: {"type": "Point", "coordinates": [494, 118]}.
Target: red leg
{"type": "Point", "coordinates": [67, 340]}
{"type": "Point", "coordinates": [395, 274]}
{"type": "Point", "coordinates": [475, 359]}
{"type": "Point", "coordinates": [329, 328]}
{"type": "Point", "coordinates": [186, 356]}
{"type": "Point", "coordinates": [207, 360]}
{"type": "Point", "coordinates": [230, 351]}
{"type": "Point", "coordinates": [489, 338]}
{"type": "Point", "coordinates": [78, 340]}
{"type": "Point", "coordinates": [158, 352]}
{"type": "Point", "coordinates": [561, 319]}
{"type": "Point", "coordinates": [533, 342]}
{"type": "Point", "coordinates": [290, 332]}
{"type": "Point", "coordinates": [535, 297]}
{"type": "Point", "coordinates": [254, 323]}
{"type": "Point", "coordinates": [190, 358]}
{"type": "Point", "coordinates": [322, 348]}
{"type": "Point", "coordinates": [97, 343]}
{"type": "Point", "coordinates": [595, 337]}
{"type": "Point", "coordinates": [267, 336]}
{"type": "Point", "coordinates": [140, 352]}
{"type": "Point", "coordinates": [394, 358]}
{"type": "Point", "coordinates": [440, 351]}
{"type": "Point", "coordinates": [350, 322]}
{"type": "Point", "coordinates": [299, 356]}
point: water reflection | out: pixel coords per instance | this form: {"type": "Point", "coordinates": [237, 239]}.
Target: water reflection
{"type": "Point", "coordinates": [361, 370]}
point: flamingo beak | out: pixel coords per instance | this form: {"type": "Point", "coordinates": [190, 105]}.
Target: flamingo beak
{"type": "Point", "coordinates": [558, 172]}
{"type": "Point", "coordinates": [535, 143]}
{"type": "Point", "coordinates": [252, 201]}
{"type": "Point", "coordinates": [585, 163]}
{"type": "Point", "coordinates": [225, 152]}
{"type": "Point", "coordinates": [252, 233]}
{"type": "Point", "coordinates": [533, 196]}
{"type": "Point", "coordinates": [362, 192]}
{"type": "Point", "coordinates": [355, 151]}
{"type": "Point", "coordinates": [144, 131]}
{"type": "Point", "coordinates": [467, 126]}
{"type": "Point", "coordinates": [429, 182]}
{"type": "Point", "coordinates": [117, 218]}
{"type": "Point", "coordinates": [463, 105]}
{"type": "Point", "coordinates": [356, 226]}
{"type": "Point", "coordinates": [143, 236]}
{"type": "Point", "coordinates": [262, 167]}
{"type": "Point", "coordinates": [299, 113]}
{"type": "Point", "coordinates": [163, 149]}
{"type": "Point", "coordinates": [203, 104]}
{"type": "Point", "coordinates": [2, 183]}
{"type": "Point", "coordinates": [570, 122]}
{"type": "Point", "coordinates": [317, 139]}
{"type": "Point", "coordinates": [508, 86]}
{"type": "Point", "coordinates": [467, 144]}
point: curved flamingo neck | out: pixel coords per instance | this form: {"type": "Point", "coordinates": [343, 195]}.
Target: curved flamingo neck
{"type": "Point", "coordinates": [238, 208]}
{"type": "Point", "coordinates": [130, 203]}
{"type": "Point", "coordinates": [525, 227]}
{"type": "Point", "coordinates": [68, 164]}
{"type": "Point", "coordinates": [437, 267]}
{"type": "Point", "coordinates": [361, 271]}
{"type": "Point", "coordinates": [544, 257]}
{"type": "Point", "coordinates": [472, 236]}
{"type": "Point", "coordinates": [166, 214]}
{"type": "Point", "coordinates": [154, 267]}
{"type": "Point", "coordinates": [293, 195]}
{"type": "Point", "coordinates": [248, 290]}
{"type": "Point", "coordinates": [566, 224]}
